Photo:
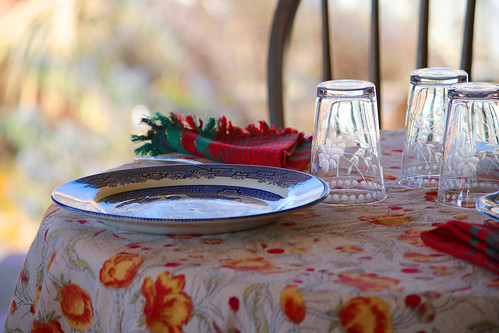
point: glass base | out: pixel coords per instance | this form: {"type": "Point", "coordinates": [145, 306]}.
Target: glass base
{"type": "Point", "coordinates": [414, 182]}
{"type": "Point", "coordinates": [348, 197]}
{"type": "Point", "coordinates": [465, 196]}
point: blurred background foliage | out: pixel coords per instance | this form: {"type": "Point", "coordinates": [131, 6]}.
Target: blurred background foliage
{"type": "Point", "coordinates": [76, 76]}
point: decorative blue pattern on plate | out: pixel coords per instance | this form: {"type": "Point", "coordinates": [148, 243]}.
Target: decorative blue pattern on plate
{"type": "Point", "coordinates": [191, 199]}
{"type": "Point", "coordinates": [489, 205]}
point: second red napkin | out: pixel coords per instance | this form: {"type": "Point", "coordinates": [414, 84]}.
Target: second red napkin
{"type": "Point", "coordinates": [475, 242]}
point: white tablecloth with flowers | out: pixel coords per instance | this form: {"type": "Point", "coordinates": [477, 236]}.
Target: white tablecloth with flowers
{"type": "Point", "coordinates": [323, 269]}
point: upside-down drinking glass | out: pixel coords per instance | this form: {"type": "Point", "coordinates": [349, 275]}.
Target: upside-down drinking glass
{"type": "Point", "coordinates": [425, 125]}
{"type": "Point", "coordinates": [346, 147]}
{"type": "Point", "coordinates": [470, 164]}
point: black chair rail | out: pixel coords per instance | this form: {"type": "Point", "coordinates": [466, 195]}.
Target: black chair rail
{"type": "Point", "coordinates": [281, 32]}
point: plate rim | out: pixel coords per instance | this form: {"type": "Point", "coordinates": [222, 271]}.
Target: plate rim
{"type": "Point", "coordinates": [483, 207]}
{"type": "Point", "coordinates": [160, 222]}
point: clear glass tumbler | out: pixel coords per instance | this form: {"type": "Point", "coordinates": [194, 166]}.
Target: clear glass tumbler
{"type": "Point", "coordinates": [345, 147]}
{"type": "Point", "coordinates": [470, 164]}
{"type": "Point", "coordinates": [425, 125]}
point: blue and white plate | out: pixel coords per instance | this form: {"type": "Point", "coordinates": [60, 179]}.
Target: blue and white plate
{"type": "Point", "coordinates": [191, 199]}
{"type": "Point", "coordinates": [489, 205]}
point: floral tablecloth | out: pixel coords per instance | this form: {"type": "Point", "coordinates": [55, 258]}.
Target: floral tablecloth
{"type": "Point", "coordinates": [323, 269]}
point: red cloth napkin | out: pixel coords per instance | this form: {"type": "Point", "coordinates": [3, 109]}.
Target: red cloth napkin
{"type": "Point", "coordinates": [478, 243]}
{"type": "Point", "coordinates": [219, 140]}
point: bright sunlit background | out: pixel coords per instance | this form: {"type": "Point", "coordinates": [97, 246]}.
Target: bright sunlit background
{"type": "Point", "coordinates": [76, 76]}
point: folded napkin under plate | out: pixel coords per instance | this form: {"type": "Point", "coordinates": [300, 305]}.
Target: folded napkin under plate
{"type": "Point", "coordinates": [220, 141]}
{"type": "Point", "coordinates": [478, 243]}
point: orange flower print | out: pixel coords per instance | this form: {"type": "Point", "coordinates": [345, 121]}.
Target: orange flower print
{"type": "Point", "coordinates": [183, 236]}
{"type": "Point", "coordinates": [389, 219]}
{"type": "Point", "coordinates": [368, 282]}
{"type": "Point", "coordinates": [167, 307]}
{"type": "Point", "coordinates": [35, 301]}
{"type": "Point", "coordinates": [387, 176]}
{"type": "Point", "coordinates": [350, 249]}
{"type": "Point", "coordinates": [13, 307]}
{"type": "Point", "coordinates": [292, 303]}
{"type": "Point", "coordinates": [305, 214]}
{"type": "Point", "coordinates": [196, 256]}
{"type": "Point", "coordinates": [442, 270]}
{"type": "Point", "coordinates": [299, 250]}
{"type": "Point", "coordinates": [76, 306]}
{"type": "Point", "coordinates": [412, 236]}
{"type": "Point", "coordinates": [119, 270]}
{"type": "Point", "coordinates": [51, 260]}
{"type": "Point", "coordinates": [494, 283]}
{"type": "Point", "coordinates": [24, 276]}
{"type": "Point", "coordinates": [212, 241]}
{"type": "Point", "coordinates": [366, 315]}
{"type": "Point", "coordinates": [492, 222]}
{"type": "Point", "coordinates": [52, 326]}
{"type": "Point", "coordinates": [417, 257]}
{"type": "Point", "coordinates": [252, 263]}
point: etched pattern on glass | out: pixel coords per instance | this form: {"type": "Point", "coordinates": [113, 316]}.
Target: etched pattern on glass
{"type": "Point", "coordinates": [470, 165]}
{"type": "Point", "coordinates": [425, 126]}
{"type": "Point", "coordinates": [346, 150]}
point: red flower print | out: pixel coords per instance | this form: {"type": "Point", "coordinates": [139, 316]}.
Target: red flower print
{"type": "Point", "coordinates": [412, 301]}
{"type": "Point", "coordinates": [275, 251]}
{"type": "Point", "coordinates": [421, 305]}
{"type": "Point", "coordinates": [24, 276]}
{"type": "Point", "coordinates": [425, 312]}
{"type": "Point", "coordinates": [288, 224]}
{"type": "Point", "coordinates": [173, 264]}
{"type": "Point", "coordinates": [293, 304]}
{"type": "Point", "coordinates": [234, 303]}
{"type": "Point", "coordinates": [431, 196]}
{"type": "Point", "coordinates": [52, 326]}
{"type": "Point", "coordinates": [217, 329]}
